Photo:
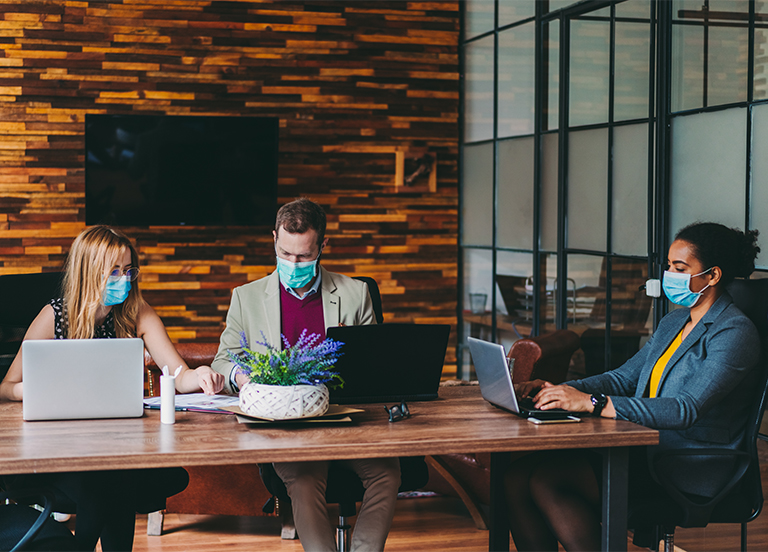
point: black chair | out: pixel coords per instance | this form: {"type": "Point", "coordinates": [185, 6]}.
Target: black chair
{"type": "Point", "coordinates": [740, 497]}
{"type": "Point", "coordinates": [344, 487]}
{"type": "Point", "coordinates": [22, 297]}
{"type": "Point", "coordinates": [24, 528]}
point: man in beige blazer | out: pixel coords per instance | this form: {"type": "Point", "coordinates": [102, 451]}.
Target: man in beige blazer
{"type": "Point", "coordinates": [300, 295]}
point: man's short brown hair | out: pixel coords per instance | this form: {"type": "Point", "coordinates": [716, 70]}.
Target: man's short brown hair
{"type": "Point", "coordinates": [301, 215]}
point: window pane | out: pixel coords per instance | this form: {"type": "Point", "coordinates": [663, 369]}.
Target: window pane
{"type": "Point", "coordinates": [552, 57]}
{"type": "Point", "coordinates": [509, 12]}
{"type": "Point", "coordinates": [549, 281]}
{"type": "Point", "coordinates": [477, 195]}
{"type": "Point", "coordinates": [630, 190]}
{"type": "Point", "coordinates": [589, 72]}
{"type": "Point", "coordinates": [761, 64]}
{"type": "Point", "coordinates": [759, 203]}
{"type": "Point", "coordinates": [516, 81]}
{"type": "Point", "coordinates": [476, 315]}
{"type": "Point", "coordinates": [632, 68]}
{"type": "Point", "coordinates": [549, 164]}
{"type": "Point", "coordinates": [687, 67]}
{"type": "Point", "coordinates": [634, 8]}
{"type": "Point", "coordinates": [630, 315]}
{"type": "Point", "coordinates": [727, 69]}
{"type": "Point", "coordinates": [514, 218]}
{"type": "Point", "coordinates": [586, 308]}
{"type": "Point", "coordinates": [708, 167]}
{"type": "Point", "coordinates": [478, 90]}
{"type": "Point", "coordinates": [555, 5]}
{"type": "Point", "coordinates": [587, 189]}
{"type": "Point", "coordinates": [478, 17]}
{"type": "Point", "coordinates": [514, 296]}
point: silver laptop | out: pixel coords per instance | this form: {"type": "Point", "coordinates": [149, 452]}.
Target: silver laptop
{"type": "Point", "coordinates": [70, 379]}
{"type": "Point", "coordinates": [496, 386]}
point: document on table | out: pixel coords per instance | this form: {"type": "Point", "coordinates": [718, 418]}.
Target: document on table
{"type": "Point", "coordinates": [198, 402]}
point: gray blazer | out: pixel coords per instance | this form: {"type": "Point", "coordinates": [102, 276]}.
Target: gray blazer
{"type": "Point", "coordinates": [255, 308]}
{"type": "Point", "coordinates": [706, 389]}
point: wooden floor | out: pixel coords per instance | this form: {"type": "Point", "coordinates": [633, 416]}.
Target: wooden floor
{"type": "Point", "coordinates": [437, 523]}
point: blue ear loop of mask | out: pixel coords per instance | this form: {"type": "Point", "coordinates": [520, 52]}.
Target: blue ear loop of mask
{"type": "Point", "coordinates": [116, 291]}
{"type": "Point", "coordinates": [677, 288]}
{"type": "Point", "coordinates": [297, 275]}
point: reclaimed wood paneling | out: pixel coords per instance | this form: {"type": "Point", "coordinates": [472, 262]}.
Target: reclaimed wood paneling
{"type": "Point", "coordinates": [353, 82]}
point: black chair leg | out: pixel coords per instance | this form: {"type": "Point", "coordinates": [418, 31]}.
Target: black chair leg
{"type": "Point", "coordinates": [743, 537]}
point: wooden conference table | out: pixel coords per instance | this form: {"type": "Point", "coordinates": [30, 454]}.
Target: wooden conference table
{"type": "Point", "coordinates": [460, 421]}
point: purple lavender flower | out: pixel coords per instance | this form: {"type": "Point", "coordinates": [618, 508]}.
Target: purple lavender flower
{"type": "Point", "coordinates": [305, 362]}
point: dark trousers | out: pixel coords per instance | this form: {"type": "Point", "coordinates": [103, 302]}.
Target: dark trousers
{"type": "Point", "coordinates": [106, 502]}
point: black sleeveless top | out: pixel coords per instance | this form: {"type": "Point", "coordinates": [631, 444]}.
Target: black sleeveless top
{"type": "Point", "coordinates": [104, 331]}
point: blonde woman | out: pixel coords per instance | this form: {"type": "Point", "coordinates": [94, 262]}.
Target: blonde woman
{"type": "Point", "coordinates": [100, 299]}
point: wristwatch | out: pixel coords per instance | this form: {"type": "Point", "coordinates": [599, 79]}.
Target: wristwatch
{"type": "Point", "coordinates": [598, 401]}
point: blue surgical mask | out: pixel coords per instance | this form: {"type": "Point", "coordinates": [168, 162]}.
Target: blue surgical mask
{"type": "Point", "coordinates": [296, 275]}
{"type": "Point", "coordinates": [116, 291]}
{"type": "Point", "coordinates": [677, 288]}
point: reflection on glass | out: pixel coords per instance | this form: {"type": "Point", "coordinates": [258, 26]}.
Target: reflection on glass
{"type": "Point", "coordinates": [588, 189]}
{"type": "Point", "coordinates": [708, 168]}
{"type": "Point", "coordinates": [761, 64]}
{"type": "Point", "coordinates": [630, 316]}
{"type": "Point", "coordinates": [585, 272]}
{"type": "Point", "coordinates": [514, 218]}
{"type": "Point", "coordinates": [552, 57]}
{"type": "Point", "coordinates": [478, 90]}
{"type": "Point", "coordinates": [477, 195]}
{"type": "Point", "coordinates": [759, 203]}
{"type": "Point", "coordinates": [589, 72]}
{"type": "Point", "coordinates": [727, 67]}
{"type": "Point", "coordinates": [516, 81]}
{"type": "Point", "coordinates": [478, 17]}
{"type": "Point", "coordinates": [687, 67]}
{"type": "Point", "coordinates": [632, 68]}
{"type": "Point", "coordinates": [478, 272]}
{"type": "Point", "coordinates": [548, 200]}
{"type": "Point", "coordinates": [514, 296]}
{"type": "Point", "coordinates": [510, 12]}
{"type": "Point", "coordinates": [630, 190]}
{"type": "Point", "coordinates": [547, 315]}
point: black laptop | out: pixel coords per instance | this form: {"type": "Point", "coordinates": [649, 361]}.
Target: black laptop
{"type": "Point", "coordinates": [389, 362]}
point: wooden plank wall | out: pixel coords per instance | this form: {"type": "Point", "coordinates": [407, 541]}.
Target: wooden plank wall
{"type": "Point", "coordinates": [351, 81]}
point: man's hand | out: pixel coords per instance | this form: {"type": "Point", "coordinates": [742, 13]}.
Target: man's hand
{"type": "Point", "coordinates": [241, 380]}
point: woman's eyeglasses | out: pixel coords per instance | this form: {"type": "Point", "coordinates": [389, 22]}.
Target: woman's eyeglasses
{"type": "Point", "coordinates": [398, 412]}
{"type": "Point", "coordinates": [132, 274]}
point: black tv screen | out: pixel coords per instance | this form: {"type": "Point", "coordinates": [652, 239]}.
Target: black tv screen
{"type": "Point", "coordinates": [145, 170]}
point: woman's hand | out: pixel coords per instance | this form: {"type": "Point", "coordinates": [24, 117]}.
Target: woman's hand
{"type": "Point", "coordinates": [527, 387]}
{"type": "Point", "coordinates": [209, 381]}
{"type": "Point", "coordinates": [562, 396]}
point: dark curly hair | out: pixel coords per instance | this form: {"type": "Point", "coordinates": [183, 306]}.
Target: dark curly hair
{"type": "Point", "coordinates": [730, 249]}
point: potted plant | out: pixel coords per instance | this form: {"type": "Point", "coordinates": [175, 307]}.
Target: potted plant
{"type": "Point", "coordinates": [287, 383]}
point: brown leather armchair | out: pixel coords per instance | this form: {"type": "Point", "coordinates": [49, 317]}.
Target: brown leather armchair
{"type": "Point", "coordinates": [219, 490]}
{"type": "Point", "coordinates": [468, 476]}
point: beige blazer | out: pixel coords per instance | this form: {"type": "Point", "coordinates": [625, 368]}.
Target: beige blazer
{"type": "Point", "coordinates": [255, 308]}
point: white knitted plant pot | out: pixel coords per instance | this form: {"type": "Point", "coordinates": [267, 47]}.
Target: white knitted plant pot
{"type": "Point", "coordinates": [283, 402]}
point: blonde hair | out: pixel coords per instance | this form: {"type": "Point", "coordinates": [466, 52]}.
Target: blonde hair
{"type": "Point", "coordinates": [93, 254]}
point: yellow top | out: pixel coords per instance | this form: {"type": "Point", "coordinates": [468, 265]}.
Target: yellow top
{"type": "Point", "coordinates": [661, 364]}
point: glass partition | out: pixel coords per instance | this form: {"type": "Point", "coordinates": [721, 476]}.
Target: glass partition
{"type": "Point", "coordinates": [708, 168]}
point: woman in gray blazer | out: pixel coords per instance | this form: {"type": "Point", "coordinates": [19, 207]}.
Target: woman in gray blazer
{"type": "Point", "coordinates": [693, 381]}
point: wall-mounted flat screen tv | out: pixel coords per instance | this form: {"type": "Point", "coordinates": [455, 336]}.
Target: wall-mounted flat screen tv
{"type": "Point", "coordinates": [143, 170]}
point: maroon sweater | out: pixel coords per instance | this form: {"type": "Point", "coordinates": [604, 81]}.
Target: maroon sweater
{"type": "Point", "coordinates": [297, 314]}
